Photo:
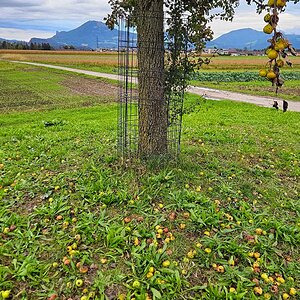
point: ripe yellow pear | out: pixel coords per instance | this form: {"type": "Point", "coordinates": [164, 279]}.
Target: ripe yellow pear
{"type": "Point", "coordinates": [271, 3]}
{"type": "Point", "coordinates": [268, 29]}
{"type": "Point", "coordinates": [273, 54]}
{"type": "Point", "coordinates": [280, 63]}
{"type": "Point", "coordinates": [5, 294]}
{"type": "Point", "coordinates": [280, 45]}
{"type": "Point", "coordinates": [263, 73]}
{"type": "Point", "coordinates": [281, 3]}
{"type": "Point", "coordinates": [271, 75]}
{"type": "Point", "coordinates": [267, 18]}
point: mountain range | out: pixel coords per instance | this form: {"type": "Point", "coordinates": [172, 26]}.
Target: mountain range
{"type": "Point", "coordinates": [249, 39]}
{"type": "Point", "coordinates": [93, 34]}
{"type": "Point", "coordinates": [90, 35]}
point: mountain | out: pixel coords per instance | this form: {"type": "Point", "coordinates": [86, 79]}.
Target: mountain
{"type": "Point", "coordinates": [90, 35]}
{"type": "Point", "coordinates": [248, 38]}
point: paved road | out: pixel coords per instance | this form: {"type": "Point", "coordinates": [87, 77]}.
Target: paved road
{"type": "Point", "coordinates": [226, 95]}
{"type": "Point", "coordinates": [201, 91]}
{"type": "Point", "coordinates": [91, 73]}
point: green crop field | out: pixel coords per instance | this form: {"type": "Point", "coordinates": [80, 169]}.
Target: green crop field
{"type": "Point", "coordinates": [78, 222]}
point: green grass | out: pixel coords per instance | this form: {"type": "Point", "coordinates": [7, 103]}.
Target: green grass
{"type": "Point", "coordinates": [66, 198]}
{"type": "Point", "coordinates": [33, 88]}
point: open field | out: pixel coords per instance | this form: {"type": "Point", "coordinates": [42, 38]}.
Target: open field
{"type": "Point", "coordinates": [101, 62]}
{"type": "Point", "coordinates": [244, 63]}
{"type": "Point", "coordinates": [96, 61]}
{"type": "Point", "coordinates": [33, 88]}
{"type": "Point", "coordinates": [222, 222]}
{"type": "Point", "coordinates": [108, 62]}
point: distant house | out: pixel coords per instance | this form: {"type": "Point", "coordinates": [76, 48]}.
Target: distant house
{"type": "Point", "coordinates": [223, 52]}
{"type": "Point", "coordinates": [210, 51]}
{"type": "Point", "coordinates": [234, 52]}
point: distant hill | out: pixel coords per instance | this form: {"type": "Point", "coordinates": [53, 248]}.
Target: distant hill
{"type": "Point", "coordinates": [91, 35]}
{"type": "Point", "coordinates": [247, 38]}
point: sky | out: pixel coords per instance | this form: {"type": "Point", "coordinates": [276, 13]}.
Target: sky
{"type": "Point", "coordinates": [24, 19]}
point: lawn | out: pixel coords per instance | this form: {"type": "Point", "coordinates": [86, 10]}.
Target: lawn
{"type": "Point", "coordinates": [78, 222]}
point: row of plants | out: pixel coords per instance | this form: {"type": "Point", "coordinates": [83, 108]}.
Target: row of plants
{"type": "Point", "coordinates": [244, 76]}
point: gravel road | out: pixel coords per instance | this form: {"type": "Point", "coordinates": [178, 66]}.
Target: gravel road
{"type": "Point", "coordinates": [201, 91]}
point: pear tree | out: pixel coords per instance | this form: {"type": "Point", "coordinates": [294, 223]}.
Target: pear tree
{"type": "Point", "coordinates": [188, 21]}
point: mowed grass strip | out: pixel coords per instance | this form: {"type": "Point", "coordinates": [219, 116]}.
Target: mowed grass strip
{"type": "Point", "coordinates": [77, 222]}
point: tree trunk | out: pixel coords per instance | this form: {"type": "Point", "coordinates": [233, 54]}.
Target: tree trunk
{"type": "Point", "coordinates": [153, 120]}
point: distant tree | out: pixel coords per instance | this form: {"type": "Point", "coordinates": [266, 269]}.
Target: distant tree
{"type": "Point", "coordinates": [69, 47]}
{"type": "Point", "coordinates": [4, 45]}
{"type": "Point", "coordinates": [46, 46]}
{"type": "Point", "coordinates": [188, 20]}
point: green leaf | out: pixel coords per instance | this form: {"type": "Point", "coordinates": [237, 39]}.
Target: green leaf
{"type": "Point", "coordinates": [156, 294]}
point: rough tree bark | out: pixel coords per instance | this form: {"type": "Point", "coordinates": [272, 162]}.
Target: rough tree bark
{"type": "Point", "coordinates": [153, 118]}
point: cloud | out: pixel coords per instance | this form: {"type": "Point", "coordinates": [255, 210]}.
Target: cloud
{"type": "Point", "coordinates": [48, 16]}
{"type": "Point", "coordinates": [19, 3]}
{"type": "Point", "coordinates": [246, 17]}
{"type": "Point", "coordinates": [53, 9]}
{"type": "Point", "coordinates": [23, 35]}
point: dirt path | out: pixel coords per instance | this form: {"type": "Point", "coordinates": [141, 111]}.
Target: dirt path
{"type": "Point", "coordinates": [201, 91]}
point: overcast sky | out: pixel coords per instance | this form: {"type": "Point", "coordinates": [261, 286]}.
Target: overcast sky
{"type": "Point", "coordinates": [24, 19]}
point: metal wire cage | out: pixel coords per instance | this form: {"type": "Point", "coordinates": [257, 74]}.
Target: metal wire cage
{"type": "Point", "coordinates": [129, 102]}
{"type": "Point", "coordinates": [128, 89]}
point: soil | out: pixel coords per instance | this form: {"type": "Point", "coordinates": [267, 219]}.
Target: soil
{"type": "Point", "coordinates": [90, 87]}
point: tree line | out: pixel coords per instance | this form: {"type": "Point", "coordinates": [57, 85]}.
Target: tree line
{"type": "Point", "coordinates": [25, 46]}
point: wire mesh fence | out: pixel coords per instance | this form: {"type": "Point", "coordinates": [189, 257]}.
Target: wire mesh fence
{"type": "Point", "coordinates": [129, 100]}
{"type": "Point", "coordinates": [128, 89]}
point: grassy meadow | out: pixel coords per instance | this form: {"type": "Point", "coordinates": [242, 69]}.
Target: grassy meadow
{"type": "Point", "coordinates": [32, 88]}
{"type": "Point", "coordinates": [78, 222]}
{"type": "Point", "coordinates": [227, 73]}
